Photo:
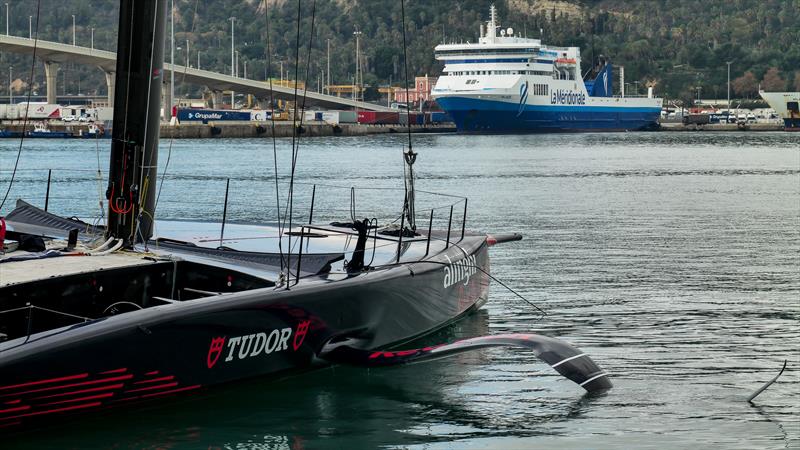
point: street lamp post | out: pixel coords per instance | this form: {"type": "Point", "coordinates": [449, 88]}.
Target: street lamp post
{"type": "Point", "coordinates": [30, 27]}
{"type": "Point", "coordinates": [236, 72]}
{"type": "Point", "coordinates": [187, 53]}
{"type": "Point", "coordinates": [729, 87]}
{"type": "Point", "coordinates": [10, 77]}
{"type": "Point", "coordinates": [73, 30]}
{"type": "Point", "coordinates": [198, 60]}
{"type": "Point", "coordinates": [168, 114]}
{"type": "Point", "coordinates": [7, 16]}
{"type": "Point", "coordinates": [245, 69]}
{"type": "Point", "coordinates": [357, 34]}
{"type": "Point", "coordinates": [92, 38]}
{"type": "Point", "coordinates": [328, 72]}
{"type": "Point", "coordinates": [233, 62]}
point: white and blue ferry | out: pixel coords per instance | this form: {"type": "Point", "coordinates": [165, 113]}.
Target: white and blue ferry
{"type": "Point", "coordinates": [505, 84]}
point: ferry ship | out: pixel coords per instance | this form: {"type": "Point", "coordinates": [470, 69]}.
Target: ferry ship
{"type": "Point", "coordinates": [787, 105]}
{"type": "Point", "coordinates": [510, 84]}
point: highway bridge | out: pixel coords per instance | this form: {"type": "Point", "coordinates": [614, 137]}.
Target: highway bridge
{"type": "Point", "coordinates": [54, 54]}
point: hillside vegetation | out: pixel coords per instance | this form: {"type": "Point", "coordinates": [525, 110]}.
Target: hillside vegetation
{"type": "Point", "coordinates": [677, 46]}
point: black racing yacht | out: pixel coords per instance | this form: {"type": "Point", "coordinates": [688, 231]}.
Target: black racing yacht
{"type": "Point", "coordinates": [94, 317]}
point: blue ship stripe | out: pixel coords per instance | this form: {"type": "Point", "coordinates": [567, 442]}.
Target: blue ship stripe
{"type": "Point", "coordinates": [469, 61]}
{"type": "Point", "coordinates": [469, 103]}
{"type": "Point", "coordinates": [475, 115]}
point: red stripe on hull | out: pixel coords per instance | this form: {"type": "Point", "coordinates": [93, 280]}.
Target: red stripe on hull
{"type": "Point", "coordinates": [49, 380]}
{"type": "Point", "coordinates": [153, 380]}
{"type": "Point", "coordinates": [83, 391]}
{"type": "Point", "coordinates": [151, 388]}
{"type": "Point", "coordinates": [51, 411]}
{"type": "Point", "coordinates": [81, 399]}
{"type": "Point", "coordinates": [64, 386]}
{"type": "Point", "coordinates": [18, 408]}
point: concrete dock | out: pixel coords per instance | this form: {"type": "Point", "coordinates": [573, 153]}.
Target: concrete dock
{"type": "Point", "coordinates": [284, 129]}
{"type": "Point", "coordinates": [678, 126]}
{"type": "Point", "coordinates": [197, 130]}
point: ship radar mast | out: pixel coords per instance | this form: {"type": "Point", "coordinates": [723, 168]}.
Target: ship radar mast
{"type": "Point", "coordinates": [491, 28]}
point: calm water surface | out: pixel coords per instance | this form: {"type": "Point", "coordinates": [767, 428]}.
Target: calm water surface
{"type": "Point", "coordinates": [672, 258]}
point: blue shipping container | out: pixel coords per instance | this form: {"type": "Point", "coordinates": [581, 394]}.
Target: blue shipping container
{"type": "Point", "coordinates": [206, 115]}
{"type": "Point", "coordinates": [439, 117]}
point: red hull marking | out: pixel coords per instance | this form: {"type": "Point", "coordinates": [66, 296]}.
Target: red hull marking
{"type": "Point", "coordinates": [153, 380]}
{"type": "Point", "coordinates": [81, 399]}
{"type": "Point", "coordinates": [108, 372]}
{"type": "Point", "coordinates": [155, 372]}
{"type": "Point", "coordinates": [51, 388]}
{"type": "Point", "coordinates": [151, 388]}
{"type": "Point", "coordinates": [19, 408]}
{"type": "Point", "coordinates": [51, 411]}
{"type": "Point", "coordinates": [11, 402]}
{"type": "Point", "coordinates": [49, 380]}
{"type": "Point", "coordinates": [83, 391]}
{"type": "Point", "coordinates": [12, 424]}
{"type": "Point", "coordinates": [173, 391]}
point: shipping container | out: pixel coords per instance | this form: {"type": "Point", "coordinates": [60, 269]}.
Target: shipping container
{"type": "Point", "coordinates": [11, 112]}
{"type": "Point", "coordinates": [104, 113]}
{"type": "Point", "coordinates": [210, 115]}
{"type": "Point", "coordinates": [348, 117]}
{"type": "Point", "coordinates": [312, 116]}
{"type": "Point", "coordinates": [260, 115]}
{"type": "Point", "coordinates": [40, 110]}
{"type": "Point", "coordinates": [379, 117]}
{"type": "Point", "coordinates": [415, 118]}
{"type": "Point", "coordinates": [330, 117]}
{"type": "Point", "coordinates": [440, 117]}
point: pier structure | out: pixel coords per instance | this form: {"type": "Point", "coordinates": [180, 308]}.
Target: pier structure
{"type": "Point", "coordinates": [55, 54]}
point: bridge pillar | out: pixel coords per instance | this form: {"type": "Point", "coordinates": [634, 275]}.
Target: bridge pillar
{"type": "Point", "coordinates": [216, 99]}
{"type": "Point", "coordinates": [167, 101]}
{"type": "Point", "coordinates": [110, 80]}
{"type": "Point", "coordinates": [51, 75]}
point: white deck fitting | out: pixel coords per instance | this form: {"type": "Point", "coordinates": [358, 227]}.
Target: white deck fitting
{"type": "Point", "coordinates": [42, 269]}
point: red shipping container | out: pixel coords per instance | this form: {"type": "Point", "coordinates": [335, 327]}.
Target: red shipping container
{"type": "Point", "coordinates": [379, 117]}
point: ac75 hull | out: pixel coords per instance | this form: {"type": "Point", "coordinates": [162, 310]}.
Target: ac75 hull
{"type": "Point", "coordinates": [181, 348]}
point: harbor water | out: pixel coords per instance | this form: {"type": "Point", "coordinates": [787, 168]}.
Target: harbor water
{"type": "Point", "coordinates": [673, 259]}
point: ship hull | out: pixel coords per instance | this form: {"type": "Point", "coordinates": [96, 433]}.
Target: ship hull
{"type": "Point", "coordinates": [488, 116]}
{"type": "Point", "coordinates": [184, 348]}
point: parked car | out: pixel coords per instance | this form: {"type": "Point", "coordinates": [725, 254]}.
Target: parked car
{"type": "Point", "coordinates": [84, 118]}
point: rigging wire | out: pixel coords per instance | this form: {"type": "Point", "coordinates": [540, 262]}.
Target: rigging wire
{"type": "Point", "coordinates": [408, 157]}
{"type": "Point", "coordinates": [294, 133]}
{"type": "Point", "coordinates": [295, 127]}
{"type": "Point", "coordinates": [27, 106]}
{"type": "Point", "coordinates": [172, 135]}
{"type": "Point", "coordinates": [272, 122]}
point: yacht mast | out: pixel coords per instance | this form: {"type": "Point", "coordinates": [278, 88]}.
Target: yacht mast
{"type": "Point", "coordinates": [137, 100]}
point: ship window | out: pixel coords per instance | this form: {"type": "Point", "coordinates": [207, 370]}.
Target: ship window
{"type": "Point", "coordinates": [793, 106]}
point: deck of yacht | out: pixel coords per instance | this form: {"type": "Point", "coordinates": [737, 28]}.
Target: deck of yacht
{"type": "Point", "coordinates": [13, 271]}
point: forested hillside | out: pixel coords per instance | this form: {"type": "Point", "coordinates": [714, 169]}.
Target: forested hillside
{"type": "Point", "coordinates": [674, 45]}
